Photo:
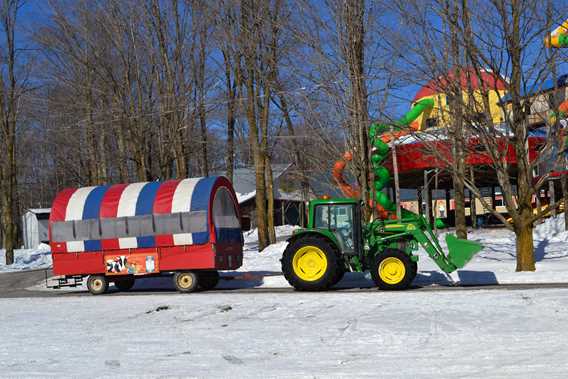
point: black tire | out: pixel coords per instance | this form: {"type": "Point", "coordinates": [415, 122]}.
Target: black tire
{"type": "Point", "coordinates": [97, 284]}
{"type": "Point", "coordinates": [322, 279]}
{"type": "Point", "coordinates": [396, 279]}
{"type": "Point", "coordinates": [414, 270]}
{"type": "Point", "coordinates": [124, 283]}
{"type": "Point", "coordinates": [208, 280]}
{"type": "Point", "coordinates": [186, 281]}
{"type": "Point", "coordinates": [340, 274]}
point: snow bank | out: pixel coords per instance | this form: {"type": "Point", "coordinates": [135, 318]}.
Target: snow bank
{"type": "Point", "coordinates": [27, 259]}
{"type": "Point", "coordinates": [551, 229]}
{"type": "Point", "coordinates": [242, 197]}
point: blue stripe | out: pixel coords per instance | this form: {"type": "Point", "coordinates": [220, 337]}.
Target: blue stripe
{"type": "Point", "coordinates": [145, 206]}
{"type": "Point", "coordinates": [200, 202]}
{"type": "Point", "coordinates": [92, 210]}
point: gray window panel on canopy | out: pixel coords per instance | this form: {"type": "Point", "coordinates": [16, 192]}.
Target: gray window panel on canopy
{"type": "Point", "coordinates": [134, 226]}
{"type": "Point", "coordinates": [224, 213]}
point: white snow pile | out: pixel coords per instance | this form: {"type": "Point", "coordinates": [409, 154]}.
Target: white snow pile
{"type": "Point", "coordinates": [552, 229]}
{"type": "Point", "coordinates": [242, 197]}
{"type": "Point", "coordinates": [27, 259]}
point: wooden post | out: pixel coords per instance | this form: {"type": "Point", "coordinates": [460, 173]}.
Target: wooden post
{"type": "Point", "coordinates": [396, 181]}
{"type": "Point", "coordinates": [419, 195]}
{"type": "Point", "coordinates": [427, 198]}
{"type": "Point", "coordinates": [448, 193]}
{"type": "Point", "coordinates": [472, 203]}
{"type": "Point", "coordinates": [552, 196]}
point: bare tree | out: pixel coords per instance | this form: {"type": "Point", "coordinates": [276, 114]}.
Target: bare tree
{"type": "Point", "coordinates": [10, 95]}
{"type": "Point", "coordinates": [497, 39]}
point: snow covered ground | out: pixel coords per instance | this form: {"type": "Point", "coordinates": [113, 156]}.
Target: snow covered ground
{"type": "Point", "coordinates": [473, 334]}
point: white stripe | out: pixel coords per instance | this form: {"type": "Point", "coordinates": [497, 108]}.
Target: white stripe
{"type": "Point", "coordinates": [126, 208]}
{"type": "Point", "coordinates": [74, 211]}
{"type": "Point", "coordinates": [181, 202]}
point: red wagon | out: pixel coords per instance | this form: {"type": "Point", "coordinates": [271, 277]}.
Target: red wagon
{"type": "Point", "coordinates": [116, 233]}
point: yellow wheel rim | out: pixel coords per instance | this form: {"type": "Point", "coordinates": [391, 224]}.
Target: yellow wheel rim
{"type": "Point", "coordinates": [392, 270]}
{"type": "Point", "coordinates": [185, 281]}
{"type": "Point", "coordinates": [97, 284]}
{"type": "Point", "coordinates": [309, 263]}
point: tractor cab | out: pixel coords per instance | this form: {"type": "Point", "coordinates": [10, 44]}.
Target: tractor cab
{"type": "Point", "coordinates": [342, 218]}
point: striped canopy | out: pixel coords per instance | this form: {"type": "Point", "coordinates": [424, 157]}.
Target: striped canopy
{"type": "Point", "coordinates": [143, 215]}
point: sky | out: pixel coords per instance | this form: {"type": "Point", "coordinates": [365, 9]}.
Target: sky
{"type": "Point", "coordinates": [36, 12]}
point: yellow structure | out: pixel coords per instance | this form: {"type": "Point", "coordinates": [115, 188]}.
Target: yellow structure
{"type": "Point", "coordinates": [440, 115]}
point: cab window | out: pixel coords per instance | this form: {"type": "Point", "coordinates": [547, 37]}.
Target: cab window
{"type": "Point", "coordinates": [338, 219]}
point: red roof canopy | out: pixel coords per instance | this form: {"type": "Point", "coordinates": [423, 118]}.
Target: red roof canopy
{"type": "Point", "coordinates": [489, 79]}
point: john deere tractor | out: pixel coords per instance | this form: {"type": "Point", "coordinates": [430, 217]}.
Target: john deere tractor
{"type": "Point", "coordinates": [336, 240]}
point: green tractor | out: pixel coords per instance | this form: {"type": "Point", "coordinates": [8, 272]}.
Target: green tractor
{"type": "Point", "coordinates": [337, 241]}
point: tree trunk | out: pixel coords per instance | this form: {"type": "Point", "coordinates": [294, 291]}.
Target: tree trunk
{"type": "Point", "coordinates": [249, 26]}
{"type": "Point", "coordinates": [525, 246]}
{"type": "Point", "coordinates": [352, 38]}
{"type": "Point", "coordinates": [231, 119]}
{"type": "Point", "coordinates": [270, 201]}
{"type": "Point", "coordinates": [8, 118]}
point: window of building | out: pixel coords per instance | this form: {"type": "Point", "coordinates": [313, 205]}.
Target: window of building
{"type": "Point", "coordinates": [431, 122]}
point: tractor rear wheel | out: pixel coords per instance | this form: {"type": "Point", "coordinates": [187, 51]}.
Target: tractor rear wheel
{"type": "Point", "coordinates": [339, 275]}
{"type": "Point", "coordinates": [97, 284]}
{"type": "Point", "coordinates": [310, 263]}
{"type": "Point", "coordinates": [186, 281]}
{"type": "Point", "coordinates": [393, 270]}
{"type": "Point", "coordinates": [125, 283]}
{"type": "Point", "coordinates": [414, 270]}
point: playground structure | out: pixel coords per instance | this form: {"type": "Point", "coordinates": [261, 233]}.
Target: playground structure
{"type": "Point", "coordinates": [118, 233]}
{"type": "Point", "coordinates": [472, 84]}
{"type": "Point", "coordinates": [558, 38]}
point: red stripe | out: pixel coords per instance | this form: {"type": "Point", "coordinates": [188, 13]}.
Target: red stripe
{"type": "Point", "coordinates": [109, 209]}
{"type": "Point", "coordinates": [162, 205]}
{"type": "Point", "coordinates": [58, 210]}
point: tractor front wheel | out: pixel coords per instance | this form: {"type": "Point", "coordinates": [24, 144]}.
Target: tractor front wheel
{"type": "Point", "coordinates": [393, 270]}
{"type": "Point", "coordinates": [310, 264]}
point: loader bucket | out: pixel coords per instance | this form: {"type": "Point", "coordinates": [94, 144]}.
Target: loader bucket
{"type": "Point", "coordinates": [461, 251]}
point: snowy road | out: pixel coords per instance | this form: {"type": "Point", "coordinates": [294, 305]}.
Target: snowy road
{"type": "Point", "coordinates": [375, 334]}
{"type": "Point", "coordinates": [31, 284]}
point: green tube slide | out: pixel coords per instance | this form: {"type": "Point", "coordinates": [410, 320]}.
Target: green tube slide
{"type": "Point", "coordinates": [381, 149]}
